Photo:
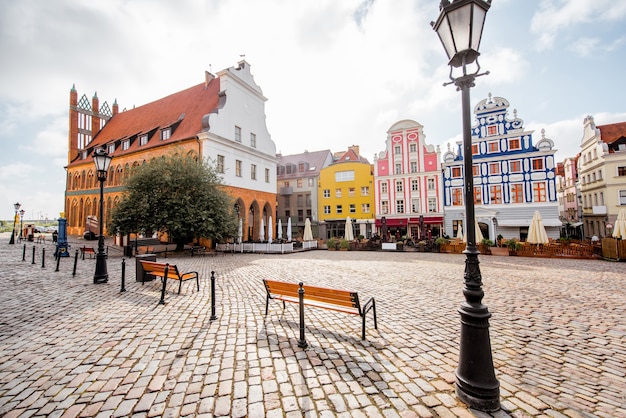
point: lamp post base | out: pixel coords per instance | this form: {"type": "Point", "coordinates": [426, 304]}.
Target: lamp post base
{"type": "Point", "coordinates": [101, 275]}
{"type": "Point", "coordinates": [476, 383]}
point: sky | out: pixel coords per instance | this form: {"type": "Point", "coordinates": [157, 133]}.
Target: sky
{"type": "Point", "coordinates": [335, 73]}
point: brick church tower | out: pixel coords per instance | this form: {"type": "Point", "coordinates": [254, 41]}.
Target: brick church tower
{"type": "Point", "coordinates": [86, 120]}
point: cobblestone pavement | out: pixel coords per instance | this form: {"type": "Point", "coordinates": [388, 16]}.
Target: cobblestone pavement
{"type": "Point", "coordinates": [69, 348]}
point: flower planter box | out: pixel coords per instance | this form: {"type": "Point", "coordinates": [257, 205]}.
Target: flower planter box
{"type": "Point", "coordinates": [503, 251]}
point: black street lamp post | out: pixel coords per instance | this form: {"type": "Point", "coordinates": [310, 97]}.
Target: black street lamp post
{"type": "Point", "coordinates": [102, 160]}
{"type": "Point", "coordinates": [22, 212]}
{"type": "Point", "coordinates": [17, 208]}
{"type": "Point", "coordinates": [460, 26]}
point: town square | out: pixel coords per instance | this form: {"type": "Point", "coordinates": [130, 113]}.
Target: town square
{"type": "Point", "coordinates": [72, 348]}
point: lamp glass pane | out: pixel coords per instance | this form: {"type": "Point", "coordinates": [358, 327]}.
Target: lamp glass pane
{"type": "Point", "coordinates": [460, 20]}
{"type": "Point", "coordinates": [477, 26]}
{"type": "Point", "coordinates": [446, 38]}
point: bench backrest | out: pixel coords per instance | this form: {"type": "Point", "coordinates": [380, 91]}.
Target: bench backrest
{"type": "Point", "coordinates": [158, 269]}
{"type": "Point", "coordinates": [319, 294]}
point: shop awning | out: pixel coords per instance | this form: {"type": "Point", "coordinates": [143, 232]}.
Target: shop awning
{"type": "Point", "coordinates": [402, 222]}
{"type": "Point", "coordinates": [526, 222]}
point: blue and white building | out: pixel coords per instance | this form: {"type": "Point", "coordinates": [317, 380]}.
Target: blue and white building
{"type": "Point", "coordinates": [513, 176]}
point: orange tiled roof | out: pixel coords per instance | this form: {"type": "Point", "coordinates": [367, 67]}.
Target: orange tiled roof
{"type": "Point", "coordinates": [612, 132]}
{"type": "Point", "coordinates": [183, 111]}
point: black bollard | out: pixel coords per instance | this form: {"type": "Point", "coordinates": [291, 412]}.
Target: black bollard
{"type": "Point", "coordinates": [43, 257]}
{"type": "Point", "coordinates": [213, 316]}
{"type": "Point", "coordinates": [24, 253]}
{"type": "Point", "coordinates": [33, 255]}
{"type": "Point", "coordinates": [167, 267]}
{"type": "Point", "coordinates": [58, 261]}
{"type": "Point", "coordinates": [301, 342]}
{"type": "Point", "coordinates": [123, 289]}
{"type": "Point", "coordinates": [75, 263]}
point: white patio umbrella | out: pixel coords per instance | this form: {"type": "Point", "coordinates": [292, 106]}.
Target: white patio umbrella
{"type": "Point", "coordinates": [349, 232]}
{"type": "Point", "coordinates": [289, 229]}
{"type": "Point", "coordinates": [477, 232]}
{"type": "Point", "coordinates": [262, 232]}
{"type": "Point", "coordinates": [308, 234]}
{"type": "Point", "coordinates": [270, 232]}
{"type": "Point", "coordinates": [536, 231]}
{"type": "Point", "coordinates": [619, 229]}
{"type": "Point", "coordinates": [280, 230]}
{"type": "Point", "coordinates": [240, 231]}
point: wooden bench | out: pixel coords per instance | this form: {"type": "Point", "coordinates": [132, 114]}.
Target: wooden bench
{"type": "Point", "coordinates": [87, 250]}
{"type": "Point", "coordinates": [169, 271]}
{"type": "Point", "coordinates": [320, 297]}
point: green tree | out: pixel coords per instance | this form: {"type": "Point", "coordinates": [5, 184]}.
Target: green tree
{"type": "Point", "coordinates": [178, 196]}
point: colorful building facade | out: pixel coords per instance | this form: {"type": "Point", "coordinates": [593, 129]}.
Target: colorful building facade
{"type": "Point", "coordinates": [513, 176]}
{"type": "Point", "coordinates": [345, 190]}
{"type": "Point", "coordinates": [407, 184]}
{"type": "Point", "coordinates": [297, 181]}
{"type": "Point", "coordinates": [602, 176]}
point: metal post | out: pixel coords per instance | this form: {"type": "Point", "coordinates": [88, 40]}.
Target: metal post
{"type": "Point", "coordinates": [101, 275]}
{"type": "Point", "coordinates": [213, 316]}
{"type": "Point", "coordinates": [33, 255]}
{"type": "Point", "coordinates": [476, 383]}
{"type": "Point", "coordinates": [24, 253]}
{"type": "Point", "coordinates": [167, 267]}
{"type": "Point", "coordinates": [123, 289]}
{"type": "Point", "coordinates": [12, 240]}
{"type": "Point", "coordinates": [75, 263]}
{"type": "Point", "coordinates": [43, 257]}
{"type": "Point", "coordinates": [58, 262]}
{"type": "Point", "coordinates": [301, 342]}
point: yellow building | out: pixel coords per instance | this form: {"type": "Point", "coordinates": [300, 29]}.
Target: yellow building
{"type": "Point", "coordinates": [345, 190]}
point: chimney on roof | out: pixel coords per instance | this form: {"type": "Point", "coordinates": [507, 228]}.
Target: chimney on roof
{"type": "Point", "coordinates": [355, 148]}
{"type": "Point", "coordinates": [208, 77]}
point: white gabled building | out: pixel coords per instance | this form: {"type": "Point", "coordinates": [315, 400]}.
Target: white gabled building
{"type": "Point", "coordinates": [513, 176]}
{"type": "Point", "coordinates": [236, 140]}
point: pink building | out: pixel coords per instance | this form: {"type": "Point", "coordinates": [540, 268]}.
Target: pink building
{"type": "Point", "coordinates": [407, 177]}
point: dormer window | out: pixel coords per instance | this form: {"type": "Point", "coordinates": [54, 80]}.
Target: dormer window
{"type": "Point", "coordinates": [166, 133]}
{"type": "Point", "coordinates": [143, 139]}
{"type": "Point", "coordinates": [125, 144]}
{"type": "Point", "coordinates": [111, 148]}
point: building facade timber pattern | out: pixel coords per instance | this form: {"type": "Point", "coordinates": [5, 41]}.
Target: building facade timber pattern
{"type": "Point", "coordinates": [513, 176]}
{"type": "Point", "coordinates": [204, 121]}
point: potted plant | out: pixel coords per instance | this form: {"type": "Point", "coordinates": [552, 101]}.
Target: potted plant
{"type": "Point", "coordinates": [331, 243]}
{"type": "Point", "coordinates": [513, 246]}
{"type": "Point", "coordinates": [485, 246]}
{"type": "Point", "coordinates": [439, 242]}
{"type": "Point", "coordinates": [344, 245]}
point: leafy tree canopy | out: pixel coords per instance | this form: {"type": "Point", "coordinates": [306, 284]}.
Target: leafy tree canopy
{"type": "Point", "coordinates": [179, 196]}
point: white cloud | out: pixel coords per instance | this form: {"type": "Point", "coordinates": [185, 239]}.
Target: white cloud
{"type": "Point", "coordinates": [555, 16]}
{"type": "Point", "coordinates": [51, 141]}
